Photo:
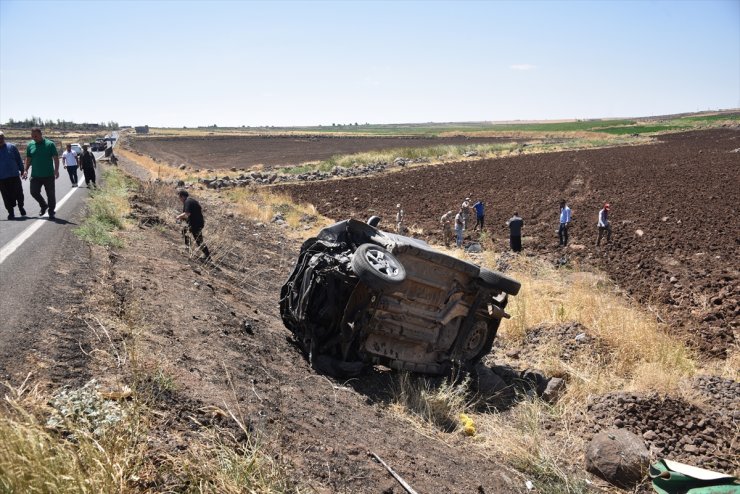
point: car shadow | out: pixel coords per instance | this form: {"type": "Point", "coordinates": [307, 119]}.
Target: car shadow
{"type": "Point", "coordinates": [489, 389]}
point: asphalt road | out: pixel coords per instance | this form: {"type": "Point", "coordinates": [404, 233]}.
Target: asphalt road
{"type": "Point", "coordinates": [31, 248]}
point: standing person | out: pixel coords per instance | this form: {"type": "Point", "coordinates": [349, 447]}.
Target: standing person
{"type": "Point", "coordinates": [193, 214]}
{"type": "Point", "coordinates": [515, 224]}
{"type": "Point", "coordinates": [399, 219]}
{"type": "Point", "coordinates": [446, 221]}
{"type": "Point", "coordinates": [465, 209]}
{"type": "Point", "coordinates": [480, 214]}
{"type": "Point", "coordinates": [459, 227]}
{"type": "Point", "coordinates": [565, 218]}
{"type": "Point", "coordinates": [87, 160]}
{"type": "Point", "coordinates": [69, 158]}
{"type": "Point", "coordinates": [604, 225]}
{"type": "Point", "coordinates": [11, 169]}
{"type": "Point", "coordinates": [43, 157]}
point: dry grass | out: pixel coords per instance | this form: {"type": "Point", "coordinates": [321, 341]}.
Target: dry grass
{"type": "Point", "coordinates": [262, 204]}
{"type": "Point", "coordinates": [642, 354]}
{"type": "Point", "coordinates": [156, 169]}
{"type": "Point", "coordinates": [431, 402]}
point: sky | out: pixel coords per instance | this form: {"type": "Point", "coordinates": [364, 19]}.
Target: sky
{"type": "Point", "coordinates": [233, 63]}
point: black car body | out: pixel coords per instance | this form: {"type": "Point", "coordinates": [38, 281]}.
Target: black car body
{"type": "Point", "coordinates": [359, 295]}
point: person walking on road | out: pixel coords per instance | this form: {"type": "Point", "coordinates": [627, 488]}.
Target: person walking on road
{"type": "Point", "coordinates": [565, 218]}
{"type": "Point", "coordinates": [87, 160]}
{"type": "Point", "coordinates": [465, 209]}
{"type": "Point", "coordinates": [11, 169]}
{"type": "Point", "coordinates": [480, 214]}
{"type": "Point", "coordinates": [399, 219]}
{"type": "Point", "coordinates": [604, 226]}
{"type": "Point", "coordinates": [446, 221]}
{"type": "Point", "coordinates": [70, 160]}
{"type": "Point", "coordinates": [42, 158]}
{"type": "Point", "coordinates": [515, 224]}
{"type": "Point", "coordinates": [193, 214]}
{"type": "Point", "coordinates": [459, 227]}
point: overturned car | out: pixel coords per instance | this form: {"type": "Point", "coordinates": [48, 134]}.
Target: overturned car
{"type": "Point", "coordinates": [359, 295]}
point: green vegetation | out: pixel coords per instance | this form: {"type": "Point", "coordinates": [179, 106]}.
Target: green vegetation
{"type": "Point", "coordinates": [713, 118]}
{"type": "Point", "coordinates": [29, 123]}
{"type": "Point", "coordinates": [642, 129]}
{"type": "Point", "coordinates": [106, 210]}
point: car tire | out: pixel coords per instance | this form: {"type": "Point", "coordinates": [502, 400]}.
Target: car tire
{"type": "Point", "coordinates": [479, 342]}
{"type": "Point", "coordinates": [377, 267]}
{"type": "Point", "coordinates": [498, 281]}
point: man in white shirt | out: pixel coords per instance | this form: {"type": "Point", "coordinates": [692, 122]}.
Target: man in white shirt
{"type": "Point", "coordinates": [465, 209]}
{"type": "Point", "coordinates": [564, 223]}
{"type": "Point", "coordinates": [69, 159]}
{"type": "Point", "coordinates": [604, 225]}
{"type": "Point", "coordinates": [399, 219]}
{"type": "Point", "coordinates": [459, 227]}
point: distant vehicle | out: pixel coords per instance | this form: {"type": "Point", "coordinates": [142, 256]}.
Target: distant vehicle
{"type": "Point", "coordinates": [359, 295]}
{"type": "Point", "coordinates": [99, 145]}
{"type": "Point", "coordinates": [77, 148]}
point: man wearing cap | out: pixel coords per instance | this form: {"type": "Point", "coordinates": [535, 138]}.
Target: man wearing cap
{"type": "Point", "coordinates": [42, 159]}
{"type": "Point", "coordinates": [87, 160]}
{"type": "Point", "coordinates": [11, 169]}
{"type": "Point", "coordinates": [604, 225]}
{"type": "Point", "coordinates": [465, 211]}
{"type": "Point", "coordinates": [69, 158]}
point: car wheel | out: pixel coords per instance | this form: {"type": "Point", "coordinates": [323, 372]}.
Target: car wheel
{"type": "Point", "coordinates": [498, 281]}
{"type": "Point", "coordinates": [377, 267]}
{"type": "Point", "coordinates": [478, 343]}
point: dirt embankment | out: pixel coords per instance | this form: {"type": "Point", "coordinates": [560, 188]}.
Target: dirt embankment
{"type": "Point", "coordinates": [225, 152]}
{"type": "Point", "coordinates": [674, 215]}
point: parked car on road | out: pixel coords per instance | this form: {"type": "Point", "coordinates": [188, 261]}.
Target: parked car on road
{"type": "Point", "coordinates": [99, 145]}
{"type": "Point", "coordinates": [358, 295]}
{"type": "Point", "coordinates": [76, 148]}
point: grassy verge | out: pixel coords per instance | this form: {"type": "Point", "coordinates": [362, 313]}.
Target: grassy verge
{"type": "Point", "coordinates": [106, 209]}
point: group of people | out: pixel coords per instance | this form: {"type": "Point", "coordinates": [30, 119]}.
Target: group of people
{"type": "Point", "coordinates": [515, 224]}
{"type": "Point", "coordinates": [42, 159]}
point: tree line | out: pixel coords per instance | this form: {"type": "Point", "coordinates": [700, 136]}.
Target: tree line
{"type": "Point", "coordinates": [29, 123]}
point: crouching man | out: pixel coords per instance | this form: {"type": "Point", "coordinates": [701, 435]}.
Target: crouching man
{"type": "Point", "coordinates": [193, 214]}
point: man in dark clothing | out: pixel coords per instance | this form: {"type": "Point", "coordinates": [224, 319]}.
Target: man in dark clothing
{"type": "Point", "coordinates": [42, 158]}
{"type": "Point", "coordinates": [515, 232]}
{"type": "Point", "coordinates": [11, 169]}
{"type": "Point", "coordinates": [192, 212]}
{"type": "Point", "coordinates": [87, 161]}
{"type": "Point", "coordinates": [480, 215]}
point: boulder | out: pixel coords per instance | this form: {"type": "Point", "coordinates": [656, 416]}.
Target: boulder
{"type": "Point", "coordinates": [619, 457]}
{"type": "Point", "coordinates": [554, 390]}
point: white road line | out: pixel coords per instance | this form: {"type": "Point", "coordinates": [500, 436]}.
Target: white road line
{"type": "Point", "coordinates": [26, 234]}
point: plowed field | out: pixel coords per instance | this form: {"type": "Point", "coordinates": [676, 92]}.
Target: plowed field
{"type": "Point", "coordinates": [277, 151]}
{"type": "Point", "coordinates": [676, 232]}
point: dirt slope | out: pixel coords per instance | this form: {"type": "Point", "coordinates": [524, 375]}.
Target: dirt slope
{"type": "Point", "coordinates": [682, 194]}
{"type": "Point", "coordinates": [218, 334]}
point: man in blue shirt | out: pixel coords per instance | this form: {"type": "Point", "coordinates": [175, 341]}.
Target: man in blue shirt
{"type": "Point", "coordinates": [564, 223]}
{"type": "Point", "coordinates": [11, 168]}
{"type": "Point", "coordinates": [479, 215]}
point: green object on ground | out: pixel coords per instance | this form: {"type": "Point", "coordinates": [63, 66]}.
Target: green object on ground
{"type": "Point", "coordinates": [671, 477]}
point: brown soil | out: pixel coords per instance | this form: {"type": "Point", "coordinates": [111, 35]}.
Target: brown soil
{"type": "Point", "coordinates": [218, 334]}
{"type": "Point", "coordinates": [682, 193]}
{"type": "Point", "coordinates": [278, 151]}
